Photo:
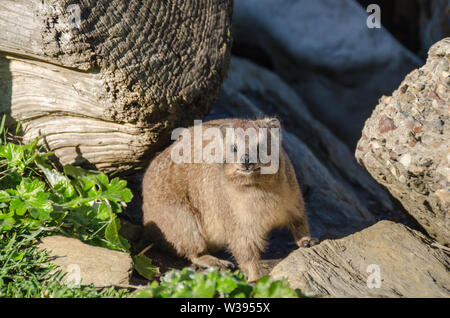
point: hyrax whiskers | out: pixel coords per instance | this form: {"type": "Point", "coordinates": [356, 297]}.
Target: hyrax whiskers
{"type": "Point", "coordinates": [196, 208]}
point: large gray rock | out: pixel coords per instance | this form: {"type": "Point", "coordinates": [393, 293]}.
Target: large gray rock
{"type": "Point", "coordinates": [95, 265]}
{"type": "Point", "coordinates": [340, 197]}
{"type": "Point", "coordinates": [326, 52]}
{"type": "Point", "coordinates": [405, 143]}
{"type": "Point", "coordinates": [407, 263]}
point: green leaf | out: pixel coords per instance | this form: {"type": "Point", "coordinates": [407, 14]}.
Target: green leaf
{"type": "Point", "coordinates": [203, 287]}
{"type": "Point", "coordinates": [75, 172]}
{"type": "Point", "coordinates": [18, 256]}
{"type": "Point", "coordinates": [267, 288]}
{"type": "Point", "coordinates": [60, 183]}
{"type": "Point", "coordinates": [5, 196]}
{"type": "Point", "coordinates": [144, 266]}
{"type": "Point", "coordinates": [7, 221]}
{"type": "Point", "coordinates": [116, 190]}
{"type": "Point", "coordinates": [28, 188]}
{"type": "Point", "coordinates": [65, 188]}
{"type": "Point", "coordinates": [226, 285]}
{"type": "Point", "coordinates": [53, 176]}
{"type": "Point", "coordinates": [78, 217]}
{"type": "Point", "coordinates": [113, 237]}
{"type": "Point", "coordinates": [103, 179]}
{"type": "Point", "coordinates": [29, 152]}
{"type": "Point", "coordinates": [102, 211]}
{"type": "Point", "coordinates": [18, 206]}
{"type": "Point", "coordinates": [14, 155]}
{"type": "Point", "coordinates": [13, 152]}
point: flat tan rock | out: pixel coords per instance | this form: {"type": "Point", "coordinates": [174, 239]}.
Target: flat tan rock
{"type": "Point", "coordinates": [407, 264]}
{"type": "Point", "coordinates": [95, 265]}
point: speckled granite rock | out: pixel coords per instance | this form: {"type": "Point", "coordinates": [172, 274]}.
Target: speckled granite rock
{"type": "Point", "coordinates": [384, 260]}
{"type": "Point", "coordinates": [405, 144]}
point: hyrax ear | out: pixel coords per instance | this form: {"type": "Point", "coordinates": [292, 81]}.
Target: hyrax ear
{"type": "Point", "coordinates": [223, 128]}
{"type": "Point", "coordinates": [272, 123]}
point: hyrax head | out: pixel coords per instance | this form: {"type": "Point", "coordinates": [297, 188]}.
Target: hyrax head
{"type": "Point", "coordinates": [251, 150]}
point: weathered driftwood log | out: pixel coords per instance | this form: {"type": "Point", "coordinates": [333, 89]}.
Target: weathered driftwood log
{"type": "Point", "coordinates": [105, 81]}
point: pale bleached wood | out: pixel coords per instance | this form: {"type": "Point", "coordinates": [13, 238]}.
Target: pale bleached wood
{"type": "Point", "coordinates": [110, 92]}
{"type": "Point", "coordinates": [20, 28]}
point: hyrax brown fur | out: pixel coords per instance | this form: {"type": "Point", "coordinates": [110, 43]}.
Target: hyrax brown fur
{"type": "Point", "coordinates": [199, 208]}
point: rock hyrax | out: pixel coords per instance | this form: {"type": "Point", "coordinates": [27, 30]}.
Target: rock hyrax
{"type": "Point", "coordinates": [198, 208]}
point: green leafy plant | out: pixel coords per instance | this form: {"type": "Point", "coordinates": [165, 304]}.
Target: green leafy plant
{"type": "Point", "coordinates": [213, 283]}
{"type": "Point", "coordinates": [76, 202]}
{"type": "Point", "coordinates": [143, 265]}
{"type": "Point", "coordinates": [37, 200]}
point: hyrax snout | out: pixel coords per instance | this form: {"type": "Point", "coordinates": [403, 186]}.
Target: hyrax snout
{"type": "Point", "coordinates": [224, 184]}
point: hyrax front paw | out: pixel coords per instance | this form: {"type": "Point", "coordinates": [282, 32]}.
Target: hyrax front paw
{"type": "Point", "coordinates": [307, 241]}
{"type": "Point", "coordinates": [209, 261]}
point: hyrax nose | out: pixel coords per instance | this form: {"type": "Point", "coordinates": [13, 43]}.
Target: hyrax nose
{"type": "Point", "coordinates": [245, 160]}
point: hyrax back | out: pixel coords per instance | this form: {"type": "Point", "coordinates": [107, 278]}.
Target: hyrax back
{"type": "Point", "coordinates": [196, 208]}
